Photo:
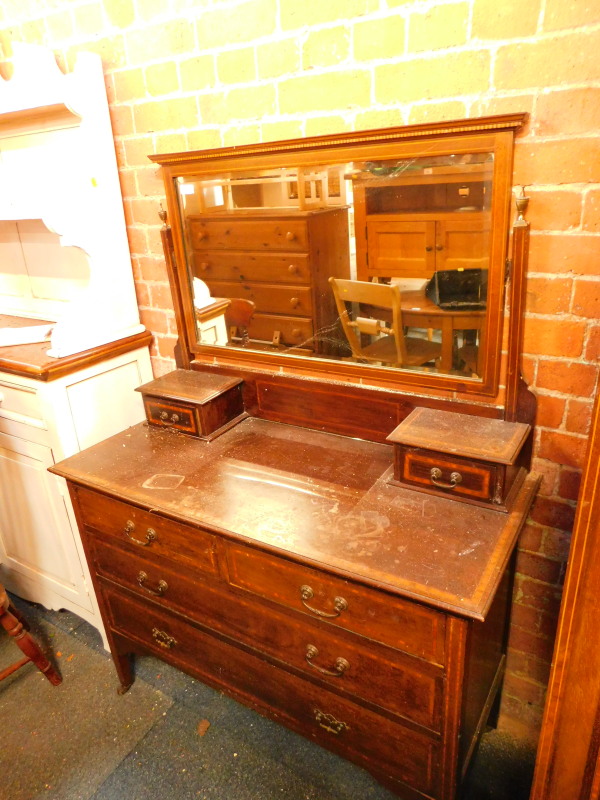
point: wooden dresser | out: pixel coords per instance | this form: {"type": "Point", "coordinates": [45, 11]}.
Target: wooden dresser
{"type": "Point", "coordinates": [282, 566]}
{"type": "Point", "coordinates": [411, 226]}
{"type": "Point", "coordinates": [281, 260]}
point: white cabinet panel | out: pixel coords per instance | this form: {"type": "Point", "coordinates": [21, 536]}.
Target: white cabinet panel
{"type": "Point", "coordinates": [35, 529]}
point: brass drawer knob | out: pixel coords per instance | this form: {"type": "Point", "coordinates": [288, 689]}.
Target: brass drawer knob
{"type": "Point", "coordinates": [130, 527]}
{"type": "Point", "coordinates": [340, 665]}
{"type": "Point", "coordinates": [339, 604]}
{"type": "Point", "coordinates": [163, 639]}
{"type": "Point", "coordinates": [161, 586]}
{"type": "Point", "coordinates": [436, 474]}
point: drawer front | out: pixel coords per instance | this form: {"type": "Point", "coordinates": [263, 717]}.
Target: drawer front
{"type": "Point", "coordinates": [402, 685]}
{"type": "Point", "coordinates": [291, 268]}
{"type": "Point", "coordinates": [439, 472]}
{"type": "Point", "coordinates": [403, 625]}
{"type": "Point", "coordinates": [249, 234]}
{"type": "Point", "coordinates": [20, 401]}
{"type": "Point", "coordinates": [268, 297]}
{"type": "Point", "coordinates": [293, 331]}
{"type": "Point", "coordinates": [148, 532]}
{"type": "Point", "coordinates": [171, 415]}
{"type": "Point", "coordinates": [332, 721]}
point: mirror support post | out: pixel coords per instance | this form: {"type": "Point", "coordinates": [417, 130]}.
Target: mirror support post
{"type": "Point", "coordinates": [520, 402]}
{"type": "Point", "coordinates": [182, 350]}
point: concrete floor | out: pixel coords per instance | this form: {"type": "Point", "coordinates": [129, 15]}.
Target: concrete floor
{"type": "Point", "coordinates": [171, 737]}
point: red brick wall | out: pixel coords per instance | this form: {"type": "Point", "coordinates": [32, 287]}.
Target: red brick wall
{"type": "Point", "coordinates": [186, 75]}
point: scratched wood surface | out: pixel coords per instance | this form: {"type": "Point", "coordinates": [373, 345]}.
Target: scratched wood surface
{"type": "Point", "coordinates": [315, 497]}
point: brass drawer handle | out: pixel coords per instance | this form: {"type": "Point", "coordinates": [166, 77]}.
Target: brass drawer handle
{"type": "Point", "coordinates": [164, 416]}
{"type": "Point", "coordinates": [150, 534]}
{"type": "Point", "coordinates": [340, 666]}
{"type": "Point", "coordinates": [339, 604]}
{"type": "Point", "coordinates": [161, 586]}
{"type": "Point", "coordinates": [330, 723]}
{"type": "Point", "coordinates": [163, 639]}
{"type": "Point", "coordinates": [436, 474]}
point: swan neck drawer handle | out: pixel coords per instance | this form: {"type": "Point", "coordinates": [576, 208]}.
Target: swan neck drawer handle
{"type": "Point", "coordinates": [339, 604]}
{"type": "Point", "coordinates": [161, 586]}
{"type": "Point", "coordinates": [340, 665]}
{"type": "Point", "coordinates": [436, 474]}
{"type": "Point", "coordinates": [130, 527]}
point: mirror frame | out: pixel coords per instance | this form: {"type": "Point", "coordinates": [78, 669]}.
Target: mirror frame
{"type": "Point", "coordinates": [490, 134]}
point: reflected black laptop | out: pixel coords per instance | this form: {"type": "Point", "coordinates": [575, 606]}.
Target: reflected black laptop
{"type": "Point", "coordinates": [464, 289]}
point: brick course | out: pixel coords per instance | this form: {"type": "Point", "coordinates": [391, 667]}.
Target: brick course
{"type": "Point", "coordinates": [203, 75]}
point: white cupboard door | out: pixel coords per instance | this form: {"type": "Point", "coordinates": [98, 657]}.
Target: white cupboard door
{"type": "Point", "coordinates": [36, 538]}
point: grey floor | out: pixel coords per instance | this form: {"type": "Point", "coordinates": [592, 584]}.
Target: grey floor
{"type": "Point", "coordinates": [171, 737]}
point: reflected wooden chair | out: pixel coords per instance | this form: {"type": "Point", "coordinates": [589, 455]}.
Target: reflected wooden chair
{"type": "Point", "coordinates": [14, 624]}
{"type": "Point", "coordinates": [238, 316]}
{"type": "Point", "coordinates": [386, 343]}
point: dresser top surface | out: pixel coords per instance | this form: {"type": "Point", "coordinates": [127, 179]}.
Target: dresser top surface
{"type": "Point", "coordinates": [319, 498]}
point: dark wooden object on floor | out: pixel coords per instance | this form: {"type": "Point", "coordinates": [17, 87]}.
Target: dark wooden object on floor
{"type": "Point", "coordinates": [15, 626]}
{"type": "Point", "coordinates": [568, 758]}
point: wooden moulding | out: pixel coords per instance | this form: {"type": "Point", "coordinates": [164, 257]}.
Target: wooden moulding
{"type": "Point", "coordinates": [471, 459]}
{"type": "Point", "coordinates": [198, 404]}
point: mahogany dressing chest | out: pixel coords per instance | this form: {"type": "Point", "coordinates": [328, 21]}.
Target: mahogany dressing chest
{"type": "Point", "coordinates": [260, 531]}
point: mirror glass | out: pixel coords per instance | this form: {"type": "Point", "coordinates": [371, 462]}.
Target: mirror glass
{"type": "Point", "coordinates": [377, 262]}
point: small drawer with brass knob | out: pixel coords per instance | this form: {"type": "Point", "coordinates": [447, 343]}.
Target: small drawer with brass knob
{"type": "Point", "coordinates": [199, 404]}
{"type": "Point", "coordinates": [472, 459]}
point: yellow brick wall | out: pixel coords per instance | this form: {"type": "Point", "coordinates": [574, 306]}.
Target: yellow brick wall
{"type": "Point", "coordinates": [185, 75]}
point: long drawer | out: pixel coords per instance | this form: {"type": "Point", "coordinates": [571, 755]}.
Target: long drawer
{"type": "Point", "coordinates": [291, 331]}
{"type": "Point", "coordinates": [291, 268]}
{"type": "Point", "coordinates": [384, 746]}
{"type": "Point", "coordinates": [400, 624]}
{"type": "Point", "coordinates": [403, 685]}
{"type": "Point", "coordinates": [249, 234]}
{"type": "Point", "coordinates": [269, 298]}
{"type": "Point", "coordinates": [20, 401]}
{"type": "Point", "coordinates": [148, 532]}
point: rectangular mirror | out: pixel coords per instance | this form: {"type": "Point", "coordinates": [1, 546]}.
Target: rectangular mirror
{"type": "Point", "coordinates": [378, 254]}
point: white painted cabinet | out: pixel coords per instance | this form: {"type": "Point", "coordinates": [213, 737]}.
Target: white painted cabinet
{"type": "Point", "coordinates": [42, 422]}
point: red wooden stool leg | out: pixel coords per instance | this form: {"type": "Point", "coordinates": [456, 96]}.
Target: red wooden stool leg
{"type": "Point", "coordinates": [28, 645]}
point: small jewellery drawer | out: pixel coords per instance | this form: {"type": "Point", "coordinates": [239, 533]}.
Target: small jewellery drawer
{"type": "Point", "coordinates": [249, 234]}
{"type": "Point", "coordinates": [456, 475]}
{"type": "Point", "coordinates": [149, 532]}
{"type": "Point", "coordinates": [471, 459]}
{"type": "Point", "coordinates": [171, 415]}
{"type": "Point", "coordinates": [278, 299]}
{"type": "Point", "coordinates": [20, 401]}
{"type": "Point", "coordinates": [405, 686]}
{"type": "Point", "coordinates": [332, 721]}
{"type": "Point", "coordinates": [291, 268]}
{"type": "Point", "coordinates": [401, 624]}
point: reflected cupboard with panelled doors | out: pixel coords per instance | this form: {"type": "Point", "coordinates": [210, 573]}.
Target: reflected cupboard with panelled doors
{"type": "Point", "coordinates": [264, 529]}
